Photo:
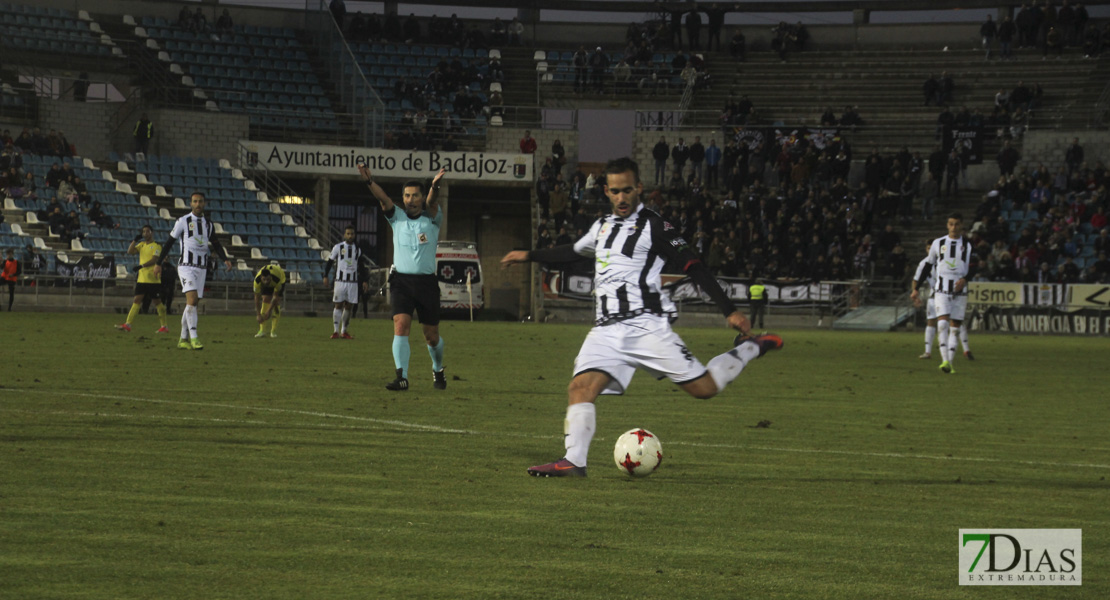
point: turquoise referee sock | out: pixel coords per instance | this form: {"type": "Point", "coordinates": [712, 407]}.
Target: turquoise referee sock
{"type": "Point", "coordinates": [401, 354]}
{"type": "Point", "coordinates": [436, 352]}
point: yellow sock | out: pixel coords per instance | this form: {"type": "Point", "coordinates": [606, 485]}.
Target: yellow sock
{"type": "Point", "coordinates": [162, 314]}
{"type": "Point", "coordinates": [265, 307]}
{"type": "Point", "coordinates": [134, 311]}
{"type": "Point", "coordinates": [274, 319]}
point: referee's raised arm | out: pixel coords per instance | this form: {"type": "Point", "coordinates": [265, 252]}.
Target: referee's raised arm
{"type": "Point", "coordinates": [431, 204]}
{"type": "Point", "coordinates": [375, 189]}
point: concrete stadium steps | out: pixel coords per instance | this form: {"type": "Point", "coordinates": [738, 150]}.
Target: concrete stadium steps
{"type": "Point", "coordinates": [519, 88]}
{"type": "Point", "coordinates": [886, 86]}
{"type": "Point", "coordinates": [874, 318]}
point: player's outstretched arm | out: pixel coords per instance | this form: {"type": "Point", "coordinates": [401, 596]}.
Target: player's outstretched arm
{"type": "Point", "coordinates": [132, 249]}
{"type": "Point", "coordinates": [383, 199]}
{"type": "Point", "coordinates": [514, 258]}
{"type": "Point", "coordinates": [556, 255]}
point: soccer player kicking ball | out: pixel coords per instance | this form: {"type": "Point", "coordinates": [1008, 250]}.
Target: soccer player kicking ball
{"type": "Point", "coordinates": [148, 285]}
{"type": "Point", "coordinates": [633, 314]}
{"type": "Point", "coordinates": [950, 258]}
{"type": "Point", "coordinates": [269, 291]}
{"type": "Point", "coordinates": [196, 232]}
{"type": "Point", "coordinates": [345, 259]}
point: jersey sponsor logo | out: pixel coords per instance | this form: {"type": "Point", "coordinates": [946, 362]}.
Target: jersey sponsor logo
{"type": "Point", "coordinates": [422, 238]}
{"type": "Point", "coordinates": [603, 262]}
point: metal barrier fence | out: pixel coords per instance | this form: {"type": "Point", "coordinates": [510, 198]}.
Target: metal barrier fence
{"type": "Point", "coordinates": [57, 292]}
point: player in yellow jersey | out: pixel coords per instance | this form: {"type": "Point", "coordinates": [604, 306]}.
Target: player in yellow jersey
{"type": "Point", "coordinates": [269, 289]}
{"type": "Point", "coordinates": [148, 285]}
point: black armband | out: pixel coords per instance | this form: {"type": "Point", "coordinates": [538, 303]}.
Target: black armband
{"type": "Point", "coordinates": [556, 255]}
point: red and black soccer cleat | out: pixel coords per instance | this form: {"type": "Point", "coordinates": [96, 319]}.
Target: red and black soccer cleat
{"type": "Point", "coordinates": [559, 468]}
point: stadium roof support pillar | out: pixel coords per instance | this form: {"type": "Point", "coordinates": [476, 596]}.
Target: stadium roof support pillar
{"type": "Point", "coordinates": [322, 206]}
{"type": "Point", "coordinates": [1005, 11]}
{"type": "Point", "coordinates": [861, 16]}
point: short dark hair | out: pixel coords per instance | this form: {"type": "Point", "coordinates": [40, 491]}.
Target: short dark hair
{"type": "Point", "coordinates": [146, 227]}
{"type": "Point", "coordinates": [622, 165]}
{"type": "Point", "coordinates": [956, 216]}
{"type": "Point", "coordinates": [351, 227]}
{"type": "Point", "coordinates": [413, 183]}
{"type": "Point", "coordinates": [201, 194]}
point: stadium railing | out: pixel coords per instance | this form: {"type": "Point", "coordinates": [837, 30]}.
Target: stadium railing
{"type": "Point", "coordinates": [65, 293]}
{"type": "Point", "coordinates": [364, 102]}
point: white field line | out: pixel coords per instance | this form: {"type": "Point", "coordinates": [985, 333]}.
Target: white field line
{"type": "Point", "coordinates": [369, 423]}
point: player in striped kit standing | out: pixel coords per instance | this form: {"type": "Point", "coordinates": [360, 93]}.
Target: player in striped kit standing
{"type": "Point", "coordinates": [950, 258]}
{"type": "Point", "coordinates": [196, 233]}
{"type": "Point", "coordinates": [633, 314]}
{"type": "Point", "coordinates": [345, 259]}
{"type": "Point", "coordinates": [923, 284]}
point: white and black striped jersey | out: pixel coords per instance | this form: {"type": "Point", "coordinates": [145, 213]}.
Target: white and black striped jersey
{"type": "Point", "coordinates": [629, 255]}
{"type": "Point", "coordinates": [194, 233]}
{"type": "Point", "coordinates": [345, 256]}
{"type": "Point", "coordinates": [924, 278]}
{"type": "Point", "coordinates": [951, 261]}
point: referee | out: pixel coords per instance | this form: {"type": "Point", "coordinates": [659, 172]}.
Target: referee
{"type": "Point", "coordinates": [413, 286]}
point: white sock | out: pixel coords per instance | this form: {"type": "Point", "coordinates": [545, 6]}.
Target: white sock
{"type": "Point", "coordinates": [963, 337]}
{"type": "Point", "coordinates": [953, 338]}
{"type": "Point", "coordinates": [930, 333]}
{"type": "Point", "coordinates": [728, 366]}
{"type": "Point", "coordinates": [578, 430]}
{"type": "Point", "coordinates": [191, 319]}
{"type": "Point", "coordinates": [346, 316]}
{"type": "Point", "coordinates": [336, 318]}
{"type": "Point", "coordinates": [942, 339]}
{"type": "Point", "coordinates": [184, 325]}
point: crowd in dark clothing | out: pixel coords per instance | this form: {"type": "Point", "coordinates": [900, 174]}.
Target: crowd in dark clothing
{"type": "Point", "coordinates": [1061, 208]}
{"type": "Point", "coordinates": [806, 224]}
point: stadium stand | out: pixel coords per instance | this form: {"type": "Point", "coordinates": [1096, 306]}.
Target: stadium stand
{"type": "Point", "coordinates": [53, 30]}
{"type": "Point", "coordinates": [261, 71]}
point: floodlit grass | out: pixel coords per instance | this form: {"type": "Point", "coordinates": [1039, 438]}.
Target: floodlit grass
{"type": "Point", "coordinates": [281, 468]}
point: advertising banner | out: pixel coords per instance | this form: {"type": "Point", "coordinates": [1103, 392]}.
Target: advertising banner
{"type": "Point", "coordinates": [414, 164]}
{"type": "Point", "coordinates": [88, 271]}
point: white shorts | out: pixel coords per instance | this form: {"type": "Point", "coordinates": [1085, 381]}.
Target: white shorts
{"type": "Point", "coordinates": [955, 306]}
{"type": "Point", "coordinates": [646, 342]}
{"type": "Point", "coordinates": [930, 306]}
{"type": "Point", "coordinates": [192, 279]}
{"type": "Point", "coordinates": [345, 291]}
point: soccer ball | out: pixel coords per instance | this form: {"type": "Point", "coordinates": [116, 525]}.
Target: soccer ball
{"type": "Point", "coordinates": [638, 453]}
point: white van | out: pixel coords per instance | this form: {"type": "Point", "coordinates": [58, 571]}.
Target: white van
{"type": "Point", "coordinates": [455, 263]}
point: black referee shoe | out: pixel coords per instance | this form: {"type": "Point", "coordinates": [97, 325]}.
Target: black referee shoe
{"type": "Point", "coordinates": [400, 384]}
{"type": "Point", "coordinates": [440, 380]}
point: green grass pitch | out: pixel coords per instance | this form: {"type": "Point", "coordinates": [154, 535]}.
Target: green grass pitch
{"type": "Point", "coordinates": [281, 468]}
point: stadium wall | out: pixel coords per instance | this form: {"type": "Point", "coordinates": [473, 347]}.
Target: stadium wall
{"type": "Point", "coordinates": [194, 133]}
{"type": "Point", "coordinates": [85, 124]}
{"type": "Point", "coordinates": [1049, 147]}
